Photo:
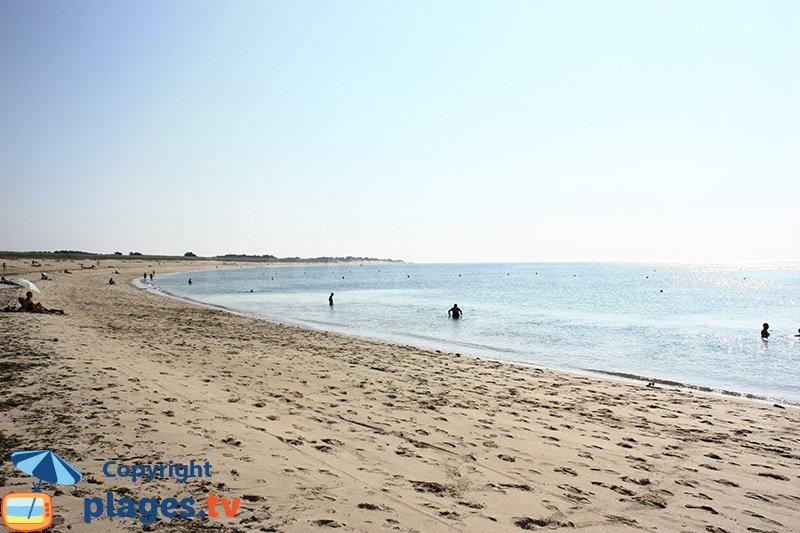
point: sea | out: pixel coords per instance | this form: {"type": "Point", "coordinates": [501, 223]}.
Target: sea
{"type": "Point", "coordinates": [688, 325]}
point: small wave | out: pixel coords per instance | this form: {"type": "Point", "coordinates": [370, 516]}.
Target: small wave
{"type": "Point", "coordinates": [688, 386]}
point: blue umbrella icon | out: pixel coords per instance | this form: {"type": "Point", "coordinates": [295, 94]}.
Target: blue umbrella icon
{"type": "Point", "coordinates": [47, 466]}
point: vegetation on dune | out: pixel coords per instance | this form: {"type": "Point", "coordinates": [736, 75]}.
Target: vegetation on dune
{"type": "Point", "coordinates": [191, 256]}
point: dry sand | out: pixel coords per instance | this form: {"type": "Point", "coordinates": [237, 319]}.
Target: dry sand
{"type": "Point", "coordinates": [317, 430]}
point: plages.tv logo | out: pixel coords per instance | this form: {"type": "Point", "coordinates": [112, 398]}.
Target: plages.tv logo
{"type": "Point", "coordinates": [33, 511]}
{"type": "Point", "coordinates": [148, 509]}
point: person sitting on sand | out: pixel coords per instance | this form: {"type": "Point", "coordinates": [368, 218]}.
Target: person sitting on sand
{"type": "Point", "coordinates": [112, 282]}
{"type": "Point", "coordinates": [27, 305]}
{"type": "Point", "coordinates": [765, 331]}
{"type": "Point", "coordinates": [27, 302]}
{"type": "Point", "coordinates": [4, 281]}
{"type": "Point", "coordinates": [454, 312]}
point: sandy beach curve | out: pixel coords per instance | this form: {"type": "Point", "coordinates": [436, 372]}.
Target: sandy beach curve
{"type": "Point", "coordinates": [313, 430]}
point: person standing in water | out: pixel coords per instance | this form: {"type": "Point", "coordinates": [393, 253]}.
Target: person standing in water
{"type": "Point", "coordinates": [454, 312]}
{"type": "Point", "coordinates": [330, 300]}
{"type": "Point", "coordinates": [765, 331]}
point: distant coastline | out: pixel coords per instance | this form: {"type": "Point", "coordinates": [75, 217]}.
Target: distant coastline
{"type": "Point", "coordinates": [188, 256]}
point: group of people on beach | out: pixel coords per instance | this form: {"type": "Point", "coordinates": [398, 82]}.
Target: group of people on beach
{"type": "Point", "coordinates": [28, 305]}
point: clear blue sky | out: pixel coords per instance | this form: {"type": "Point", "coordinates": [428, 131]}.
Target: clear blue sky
{"type": "Point", "coordinates": [427, 131]}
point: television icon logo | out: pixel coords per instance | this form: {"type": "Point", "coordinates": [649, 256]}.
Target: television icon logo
{"type": "Point", "coordinates": [27, 511]}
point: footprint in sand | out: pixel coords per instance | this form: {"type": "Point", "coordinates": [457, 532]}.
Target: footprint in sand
{"type": "Point", "coordinates": [651, 499]}
{"type": "Point", "coordinates": [616, 488]}
{"type": "Point", "coordinates": [471, 505]}
{"type": "Point", "coordinates": [642, 481]}
{"type": "Point", "coordinates": [326, 522]}
{"type": "Point", "coordinates": [703, 507]}
{"type": "Point", "coordinates": [530, 524]}
{"type": "Point", "coordinates": [773, 476]}
{"type": "Point", "coordinates": [565, 470]}
{"type": "Point", "coordinates": [374, 507]}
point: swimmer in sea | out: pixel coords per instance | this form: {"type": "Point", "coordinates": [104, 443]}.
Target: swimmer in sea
{"type": "Point", "coordinates": [454, 312]}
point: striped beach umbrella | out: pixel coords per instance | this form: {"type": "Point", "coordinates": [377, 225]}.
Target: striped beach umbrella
{"type": "Point", "coordinates": [46, 466]}
{"type": "Point", "coordinates": [24, 283]}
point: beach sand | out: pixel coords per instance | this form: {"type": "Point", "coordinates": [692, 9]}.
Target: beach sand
{"type": "Point", "coordinates": [315, 430]}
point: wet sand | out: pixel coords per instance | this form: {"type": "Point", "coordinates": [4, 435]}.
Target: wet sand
{"type": "Point", "coordinates": [316, 430]}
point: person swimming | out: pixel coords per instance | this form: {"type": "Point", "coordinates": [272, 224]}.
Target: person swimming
{"type": "Point", "coordinates": [765, 331]}
{"type": "Point", "coordinates": [454, 312]}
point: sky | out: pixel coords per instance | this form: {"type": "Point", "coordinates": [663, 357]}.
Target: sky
{"type": "Point", "coordinates": [429, 131]}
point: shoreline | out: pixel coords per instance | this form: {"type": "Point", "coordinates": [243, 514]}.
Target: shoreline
{"type": "Point", "coordinates": [485, 355]}
{"type": "Point", "coordinates": [314, 429]}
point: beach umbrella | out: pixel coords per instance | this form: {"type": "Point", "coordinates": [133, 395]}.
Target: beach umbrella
{"type": "Point", "coordinates": [46, 466]}
{"type": "Point", "coordinates": [24, 283]}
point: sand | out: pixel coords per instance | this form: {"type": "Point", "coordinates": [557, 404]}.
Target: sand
{"type": "Point", "coordinates": [316, 430]}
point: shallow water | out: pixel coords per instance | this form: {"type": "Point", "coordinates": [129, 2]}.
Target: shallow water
{"type": "Point", "coordinates": [702, 330]}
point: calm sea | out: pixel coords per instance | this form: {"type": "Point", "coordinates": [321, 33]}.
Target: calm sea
{"type": "Point", "coordinates": [697, 325]}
